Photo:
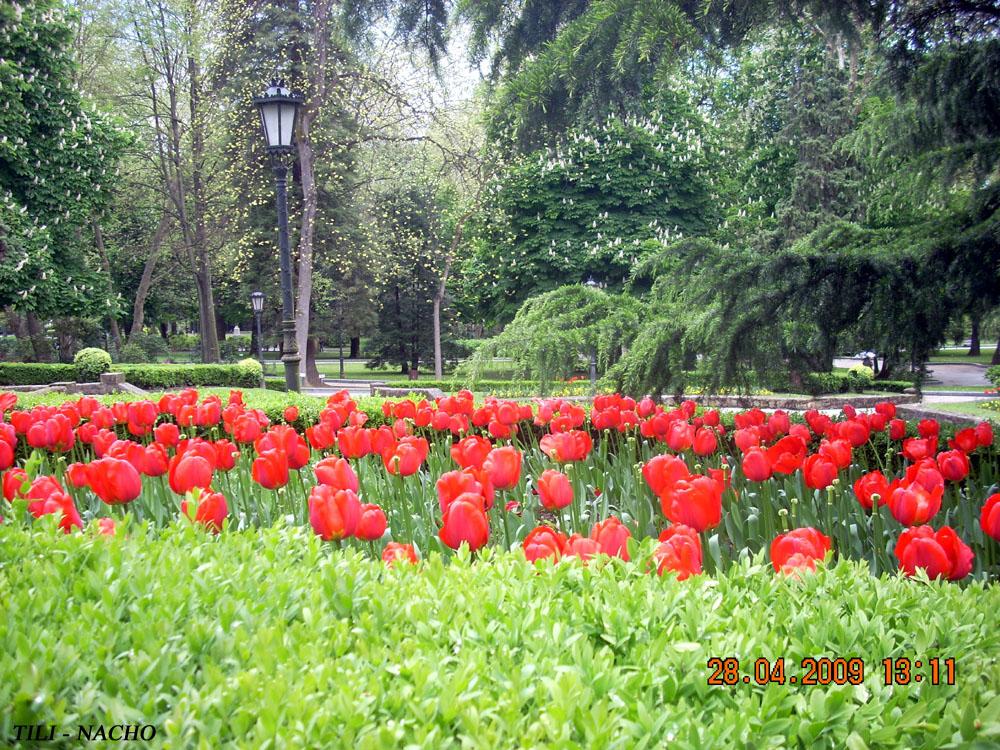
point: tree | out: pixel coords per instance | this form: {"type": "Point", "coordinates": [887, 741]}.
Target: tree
{"type": "Point", "coordinates": [57, 164]}
{"type": "Point", "coordinates": [585, 207]}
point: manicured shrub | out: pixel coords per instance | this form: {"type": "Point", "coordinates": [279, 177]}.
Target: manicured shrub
{"type": "Point", "coordinates": [490, 653]}
{"type": "Point", "coordinates": [35, 373]}
{"type": "Point", "coordinates": [90, 364]}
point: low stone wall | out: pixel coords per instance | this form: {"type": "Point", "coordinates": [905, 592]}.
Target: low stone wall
{"type": "Point", "coordinates": [950, 417]}
{"type": "Point", "coordinates": [381, 389]}
{"type": "Point", "coordinates": [802, 403]}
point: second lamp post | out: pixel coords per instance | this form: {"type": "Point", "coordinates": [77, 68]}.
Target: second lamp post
{"type": "Point", "coordinates": [278, 112]}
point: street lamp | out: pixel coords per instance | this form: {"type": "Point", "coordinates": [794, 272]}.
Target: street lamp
{"type": "Point", "coordinates": [257, 302]}
{"type": "Point", "coordinates": [592, 284]}
{"type": "Point", "coordinates": [278, 111]}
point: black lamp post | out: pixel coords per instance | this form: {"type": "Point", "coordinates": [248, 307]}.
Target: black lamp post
{"type": "Point", "coordinates": [257, 301]}
{"type": "Point", "coordinates": [278, 113]}
{"type": "Point", "coordinates": [593, 351]}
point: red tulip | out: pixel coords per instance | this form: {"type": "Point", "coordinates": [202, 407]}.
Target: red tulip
{"type": "Point", "coordinates": [897, 429]}
{"type": "Point", "coordinates": [270, 470]}
{"type": "Point", "coordinates": [913, 504]}
{"type": "Point", "coordinates": [211, 510]}
{"type": "Point", "coordinates": [838, 452]}
{"type": "Point", "coordinates": [787, 455]}
{"type": "Point", "coordinates": [504, 467]}
{"type": "Point", "coordinates": [694, 502]}
{"type": "Point", "coordinates": [572, 445]}
{"type": "Point", "coordinates": [819, 472]}
{"type": "Point", "coordinates": [965, 440]}
{"type": "Point", "coordinates": [941, 553]}
{"type": "Point", "coordinates": [333, 514]}
{"type": "Point", "coordinates": [679, 551]}
{"type": "Point", "coordinates": [612, 536]}
{"type": "Point", "coordinates": [337, 473]}
{"type": "Point", "coordinates": [189, 470]}
{"type": "Point", "coordinates": [799, 549]}
{"type": "Point", "coordinates": [886, 408]}
{"type": "Point", "coordinates": [291, 413]}
{"type": "Point", "coordinates": [871, 484]}
{"type": "Point", "coordinates": [395, 553]}
{"type": "Point", "coordinates": [372, 523]}
{"type": "Point", "coordinates": [989, 518]}
{"type": "Point", "coordinates": [246, 428]}
{"type": "Point", "coordinates": [705, 442]}
{"type": "Point", "coordinates": [916, 449]}
{"type": "Point", "coordinates": [663, 472]}
{"type": "Point", "coordinates": [14, 481]}
{"type": "Point", "coordinates": [755, 465]}
{"type": "Point", "coordinates": [680, 436]}
{"type": "Point", "coordinates": [554, 490]}
{"type": "Point", "coordinates": [984, 434]}
{"type": "Point", "coordinates": [115, 482]}
{"type": "Point", "coordinates": [405, 457]}
{"type": "Point", "coordinates": [354, 442]}
{"type": "Point", "coordinates": [954, 465]}
{"type": "Point", "coordinates": [465, 521]}
{"type": "Point", "coordinates": [925, 473]}
{"type": "Point", "coordinates": [48, 498]}
{"type": "Point", "coordinates": [582, 547]}
{"type": "Point", "coordinates": [928, 428]}
{"type": "Point", "coordinates": [471, 451]}
{"type": "Point", "coordinates": [543, 542]}
{"type": "Point", "coordinates": [106, 526]}
{"type": "Point", "coordinates": [453, 484]}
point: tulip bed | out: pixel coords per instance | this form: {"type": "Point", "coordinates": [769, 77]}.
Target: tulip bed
{"type": "Point", "coordinates": [485, 573]}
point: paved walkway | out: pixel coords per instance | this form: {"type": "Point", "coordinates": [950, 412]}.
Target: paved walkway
{"type": "Point", "coordinates": [959, 373]}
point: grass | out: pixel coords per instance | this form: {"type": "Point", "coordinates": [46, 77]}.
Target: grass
{"type": "Point", "coordinates": [961, 356]}
{"type": "Point", "coordinates": [962, 388]}
{"type": "Point", "coordinates": [272, 638]}
{"type": "Point", "coordinates": [981, 409]}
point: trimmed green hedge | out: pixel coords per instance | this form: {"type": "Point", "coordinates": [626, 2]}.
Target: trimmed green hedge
{"type": "Point", "coordinates": [35, 373]}
{"type": "Point", "coordinates": [196, 635]}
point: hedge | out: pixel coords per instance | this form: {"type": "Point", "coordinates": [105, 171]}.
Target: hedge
{"type": "Point", "coordinates": [197, 635]}
{"type": "Point", "coordinates": [144, 376]}
{"type": "Point", "coordinates": [35, 373]}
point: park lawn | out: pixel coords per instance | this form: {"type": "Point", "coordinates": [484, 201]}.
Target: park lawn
{"type": "Point", "coordinates": [272, 637]}
{"type": "Point", "coordinates": [980, 408]}
{"type": "Point", "coordinates": [963, 388]}
{"type": "Point", "coordinates": [961, 356]}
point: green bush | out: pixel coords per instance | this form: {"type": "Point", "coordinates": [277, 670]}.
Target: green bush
{"type": "Point", "coordinates": [275, 384]}
{"type": "Point", "coordinates": [90, 364]}
{"type": "Point", "coordinates": [184, 342]}
{"type": "Point", "coordinates": [490, 653]}
{"type": "Point", "coordinates": [35, 373]}
{"type": "Point", "coordinates": [993, 375]}
{"type": "Point", "coordinates": [152, 344]}
{"type": "Point", "coordinates": [132, 352]}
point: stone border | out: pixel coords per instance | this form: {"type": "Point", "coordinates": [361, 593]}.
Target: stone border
{"type": "Point", "coordinates": [951, 417]}
{"type": "Point", "coordinates": [381, 389]}
{"type": "Point", "coordinates": [801, 403]}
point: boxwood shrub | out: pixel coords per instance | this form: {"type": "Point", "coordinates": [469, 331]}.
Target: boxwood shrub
{"type": "Point", "coordinates": [90, 364]}
{"type": "Point", "coordinates": [197, 635]}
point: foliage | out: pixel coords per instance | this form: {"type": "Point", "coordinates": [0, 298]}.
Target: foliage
{"type": "Point", "coordinates": [554, 335]}
{"type": "Point", "coordinates": [90, 363]}
{"type": "Point", "coordinates": [132, 353]}
{"type": "Point", "coordinates": [993, 375]}
{"type": "Point", "coordinates": [581, 644]}
{"type": "Point", "coordinates": [57, 166]}
{"type": "Point", "coordinates": [184, 342]}
{"type": "Point", "coordinates": [591, 206]}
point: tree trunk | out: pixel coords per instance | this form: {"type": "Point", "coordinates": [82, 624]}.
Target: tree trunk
{"type": "Point", "coordinates": [146, 281]}
{"type": "Point", "coordinates": [116, 335]}
{"type": "Point", "coordinates": [456, 238]}
{"type": "Point", "coordinates": [974, 338]}
{"type": "Point", "coordinates": [39, 343]}
{"type": "Point", "coordinates": [355, 347]}
{"type": "Point", "coordinates": [995, 360]}
{"type": "Point", "coordinates": [317, 72]}
{"type": "Point", "coordinates": [305, 269]}
{"type": "Point", "coordinates": [312, 372]}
